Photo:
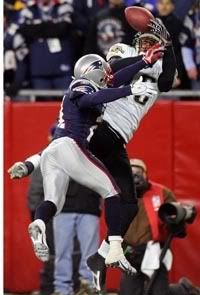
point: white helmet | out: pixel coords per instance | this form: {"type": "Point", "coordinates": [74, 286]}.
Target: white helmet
{"type": "Point", "coordinates": [92, 67]}
{"type": "Point", "coordinates": [157, 34]}
{"type": "Point", "coordinates": [141, 38]}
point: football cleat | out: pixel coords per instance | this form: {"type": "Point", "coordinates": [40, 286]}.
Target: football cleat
{"type": "Point", "coordinates": [37, 234]}
{"type": "Point", "coordinates": [96, 264]}
{"type": "Point", "coordinates": [115, 258]}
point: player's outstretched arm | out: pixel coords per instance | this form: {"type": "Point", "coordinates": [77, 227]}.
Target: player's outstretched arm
{"type": "Point", "coordinates": [21, 169]}
{"type": "Point", "coordinates": [126, 74]}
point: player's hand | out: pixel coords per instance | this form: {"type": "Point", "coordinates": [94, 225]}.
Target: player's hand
{"type": "Point", "coordinates": [159, 29]}
{"type": "Point", "coordinates": [108, 78]}
{"type": "Point", "coordinates": [18, 170]}
{"type": "Point", "coordinates": [153, 54]}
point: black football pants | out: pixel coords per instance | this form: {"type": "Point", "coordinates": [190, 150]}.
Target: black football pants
{"type": "Point", "coordinates": [109, 147]}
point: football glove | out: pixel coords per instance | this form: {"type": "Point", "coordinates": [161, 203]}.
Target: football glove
{"type": "Point", "coordinates": [18, 170]}
{"type": "Point", "coordinates": [158, 28]}
{"type": "Point", "coordinates": [142, 88]}
{"type": "Point", "coordinates": [153, 54]}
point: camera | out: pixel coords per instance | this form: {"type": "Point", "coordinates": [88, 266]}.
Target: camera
{"type": "Point", "coordinates": [176, 213]}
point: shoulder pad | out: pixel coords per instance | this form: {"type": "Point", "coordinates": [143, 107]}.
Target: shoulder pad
{"type": "Point", "coordinates": [120, 50]}
{"type": "Point", "coordinates": [83, 86]}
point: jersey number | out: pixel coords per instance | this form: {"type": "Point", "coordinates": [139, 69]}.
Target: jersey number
{"type": "Point", "coordinates": [141, 99]}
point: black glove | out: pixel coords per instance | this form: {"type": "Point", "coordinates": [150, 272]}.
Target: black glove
{"type": "Point", "coordinates": [158, 28]}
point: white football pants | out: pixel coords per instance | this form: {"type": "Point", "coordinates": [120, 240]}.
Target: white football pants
{"type": "Point", "coordinates": [64, 159]}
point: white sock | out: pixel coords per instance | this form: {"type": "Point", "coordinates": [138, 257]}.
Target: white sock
{"type": "Point", "coordinates": [104, 249]}
{"type": "Point", "coordinates": [115, 238]}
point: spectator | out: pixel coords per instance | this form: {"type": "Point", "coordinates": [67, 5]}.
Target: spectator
{"type": "Point", "coordinates": [84, 11]}
{"type": "Point", "coordinates": [191, 46]}
{"type": "Point", "coordinates": [80, 216]}
{"type": "Point", "coordinates": [45, 27]}
{"type": "Point", "coordinates": [12, 9]}
{"type": "Point", "coordinates": [77, 218]}
{"type": "Point", "coordinates": [11, 14]}
{"type": "Point", "coordinates": [174, 26]}
{"type": "Point", "coordinates": [145, 229]}
{"type": "Point", "coordinates": [108, 27]}
{"type": "Point", "coordinates": [182, 7]}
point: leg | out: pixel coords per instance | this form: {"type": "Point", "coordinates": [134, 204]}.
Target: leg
{"type": "Point", "coordinates": [64, 231]}
{"type": "Point", "coordinates": [88, 235]}
{"type": "Point", "coordinates": [88, 171]}
{"type": "Point", "coordinates": [114, 156]}
{"type": "Point", "coordinates": [47, 273]}
{"type": "Point", "coordinates": [110, 149]}
{"type": "Point", "coordinates": [55, 184]}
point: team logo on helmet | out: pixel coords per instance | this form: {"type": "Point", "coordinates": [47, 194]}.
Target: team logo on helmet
{"type": "Point", "coordinates": [96, 65]}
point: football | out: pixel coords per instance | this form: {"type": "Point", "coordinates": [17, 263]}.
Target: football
{"type": "Point", "coordinates": [138, 18]}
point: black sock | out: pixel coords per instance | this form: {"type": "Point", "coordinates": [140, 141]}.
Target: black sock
{"type": "Point", "coordinates": [128, 212]}
{"type": "Point", "coordinates": [112, 215]}
{"type": "Point", "coordinates": [45, 211]}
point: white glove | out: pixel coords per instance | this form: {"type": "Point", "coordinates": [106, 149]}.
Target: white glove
{"type": "Point", "coordinates": [142, 88]}
{"type": "Point", "coordinates": [139, 87]}
{"type": "Point", "coordinates": [18, 170]}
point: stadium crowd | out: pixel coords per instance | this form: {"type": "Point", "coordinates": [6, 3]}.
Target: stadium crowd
{"type": "Point", "coordinates": [43, 39]}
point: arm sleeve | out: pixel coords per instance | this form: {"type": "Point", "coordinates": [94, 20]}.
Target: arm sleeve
{"type": "Point", "coordinates": [102, 96]}
{"type": "Point", "coordinates": [124, 76]}
{"type": "Point", "coordinates": [166, 79]}
{"type": "Point", "coordinates": [117, 63]}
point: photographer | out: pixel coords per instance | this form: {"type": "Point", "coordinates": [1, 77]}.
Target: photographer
{"type": "Point", "coordinates": [148, 234]}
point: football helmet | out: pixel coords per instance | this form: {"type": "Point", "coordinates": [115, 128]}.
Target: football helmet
{"type": "Point", "coordinates": [144, 41]}
{"type": "Point", "coordinates": [157, 34]}
{"type": "Point", "coordinates": [92, 67]}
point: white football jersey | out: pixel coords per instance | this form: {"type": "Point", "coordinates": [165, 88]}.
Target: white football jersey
{"type": "Point", "coordinates": [125, 114]}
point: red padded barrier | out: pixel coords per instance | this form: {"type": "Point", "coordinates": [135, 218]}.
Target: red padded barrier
{"type": "Point", "coordinates": [8, 195]}
{"type": "Point", "coordinates": [26, 130]}
{"type": "Point", "coordinates": [153, 142]}
{"type": "Point", "coordinates": [168, 140]}
{"type": "Point", "coordinates": [187, 185]}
